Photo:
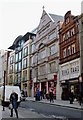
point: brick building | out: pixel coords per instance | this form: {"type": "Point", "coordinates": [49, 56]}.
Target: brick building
{"type": "Point", "coordinates": [69, 55]}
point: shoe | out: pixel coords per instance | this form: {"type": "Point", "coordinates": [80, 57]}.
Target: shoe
{"type": "Point", "coordinates": [11, 115]}
{"type": "Point", "coordinates": [17, 117]}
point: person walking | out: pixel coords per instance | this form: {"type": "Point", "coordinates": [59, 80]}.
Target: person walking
{"type": "Point", "coordinates": [80, 98]}
{"type": "Point", "coordinates": [38, 94]}
{"type": "Point", "coordinates": [13, 101]}
{"type": "Point", "coordinates": [71, 97]}
{"type": "Point", "coordinates": [51, 95]}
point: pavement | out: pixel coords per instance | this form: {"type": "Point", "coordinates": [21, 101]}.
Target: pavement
{"type": "Point", "coordinates": [22, 113]}
{"type": "Point", "coordinates": [63, 103]}
{"type": "Point", "coordinates": [0, 112]}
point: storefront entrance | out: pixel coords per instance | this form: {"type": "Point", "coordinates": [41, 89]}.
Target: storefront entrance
{"type": "Point", "coordinates": [65, 91]}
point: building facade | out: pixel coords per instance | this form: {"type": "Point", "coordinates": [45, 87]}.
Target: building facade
{"type": "Point", "coordinates": [69, 55]}
{"type": "Point", "coordinates": [11, 66]}
{"type": "Point", "coordinates": [19, 62]}
{"type": "Point", "coordinates": [45, 55]}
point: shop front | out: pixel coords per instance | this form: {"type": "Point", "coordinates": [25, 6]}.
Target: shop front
{"type": "Point", "coordinates": [43, 87]}
{"type": "Point", "coordinates": [74, 86]}
{"type": "Point", "coordinates": [70, 85]}
{"type": "Point", "coordinates": [65, 90]}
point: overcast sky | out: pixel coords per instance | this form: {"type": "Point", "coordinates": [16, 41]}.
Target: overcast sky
{"type": "Point", "coordinates": [17, 17]}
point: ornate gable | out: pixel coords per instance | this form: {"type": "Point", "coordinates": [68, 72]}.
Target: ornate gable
{"type": "Point", "coordinates": [44, 20]}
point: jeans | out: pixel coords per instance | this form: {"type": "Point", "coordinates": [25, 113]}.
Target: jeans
{"type": "Point", "coordinates": [15, 112]}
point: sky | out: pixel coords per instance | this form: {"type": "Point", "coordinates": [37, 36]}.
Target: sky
{"type": "Point", "coordinates": [17, 17]}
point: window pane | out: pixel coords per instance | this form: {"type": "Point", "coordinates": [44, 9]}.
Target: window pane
{"type": "Point", "coordinates": [26, 51]}
{"type": "Point", "coordinates": [52, 36]}
{"type": "Point", "coordinates": [52, 67]}
{"type": "Point", "coordinates": [73, 48]}
{"type": "Point", "coordinates": [11, 69]}
{"type": "Point", "coordinates": [19, 77]}
{"type": "Point", "coordinates": [64, 53]}
{"type": "Point", "coordinates": [20, 56]}
{"type": "Point", "coordinates": [16, 67]}
{"type": "Point", "coordinates": [42, 70]}
{"type": "Point", "coordinates": [17, 57]}
{"type": "Point", "coordinates": [11, 59]}
{"type": "Point", "coordinates": [42, 55]}
{"type": "Point", "coordinates": [25, 63]}
{"type": "Point", "coordinates": [53, 50]}
{"type": "Point", "coordinates": [19, 66]}
{"type": "Point", "coordinates": [69, 52]}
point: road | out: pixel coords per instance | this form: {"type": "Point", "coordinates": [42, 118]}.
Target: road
{"type": "Point", "coordinates": [53, 110]}
{"type": "Point", "coordinates": [30, 109]}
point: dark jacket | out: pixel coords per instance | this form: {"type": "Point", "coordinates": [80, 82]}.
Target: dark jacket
{"type": "Point", "coordinates": [14, 99]}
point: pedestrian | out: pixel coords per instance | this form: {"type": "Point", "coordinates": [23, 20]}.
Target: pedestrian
{"type": "Point", "coordinates": [38, 94]}
{"type": "Point", "coordinates": [51, 95]}
{"type": "Point", "coordinates": [80, 98]}
{"type": "Point", "coordinates": [42, 94]}
{"type": "Point", "coordinates": [13, 101]}
{"type": "Point", "coordinates": [25, 92]}
{"type": "Point", "coordinates": [71, 97]}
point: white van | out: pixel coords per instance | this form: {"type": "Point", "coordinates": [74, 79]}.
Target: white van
{"type": "Point", "coordinates": [8, 91]}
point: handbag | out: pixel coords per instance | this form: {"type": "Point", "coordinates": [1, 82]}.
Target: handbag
{"type": "Point", "coordinates": [10, 106]}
